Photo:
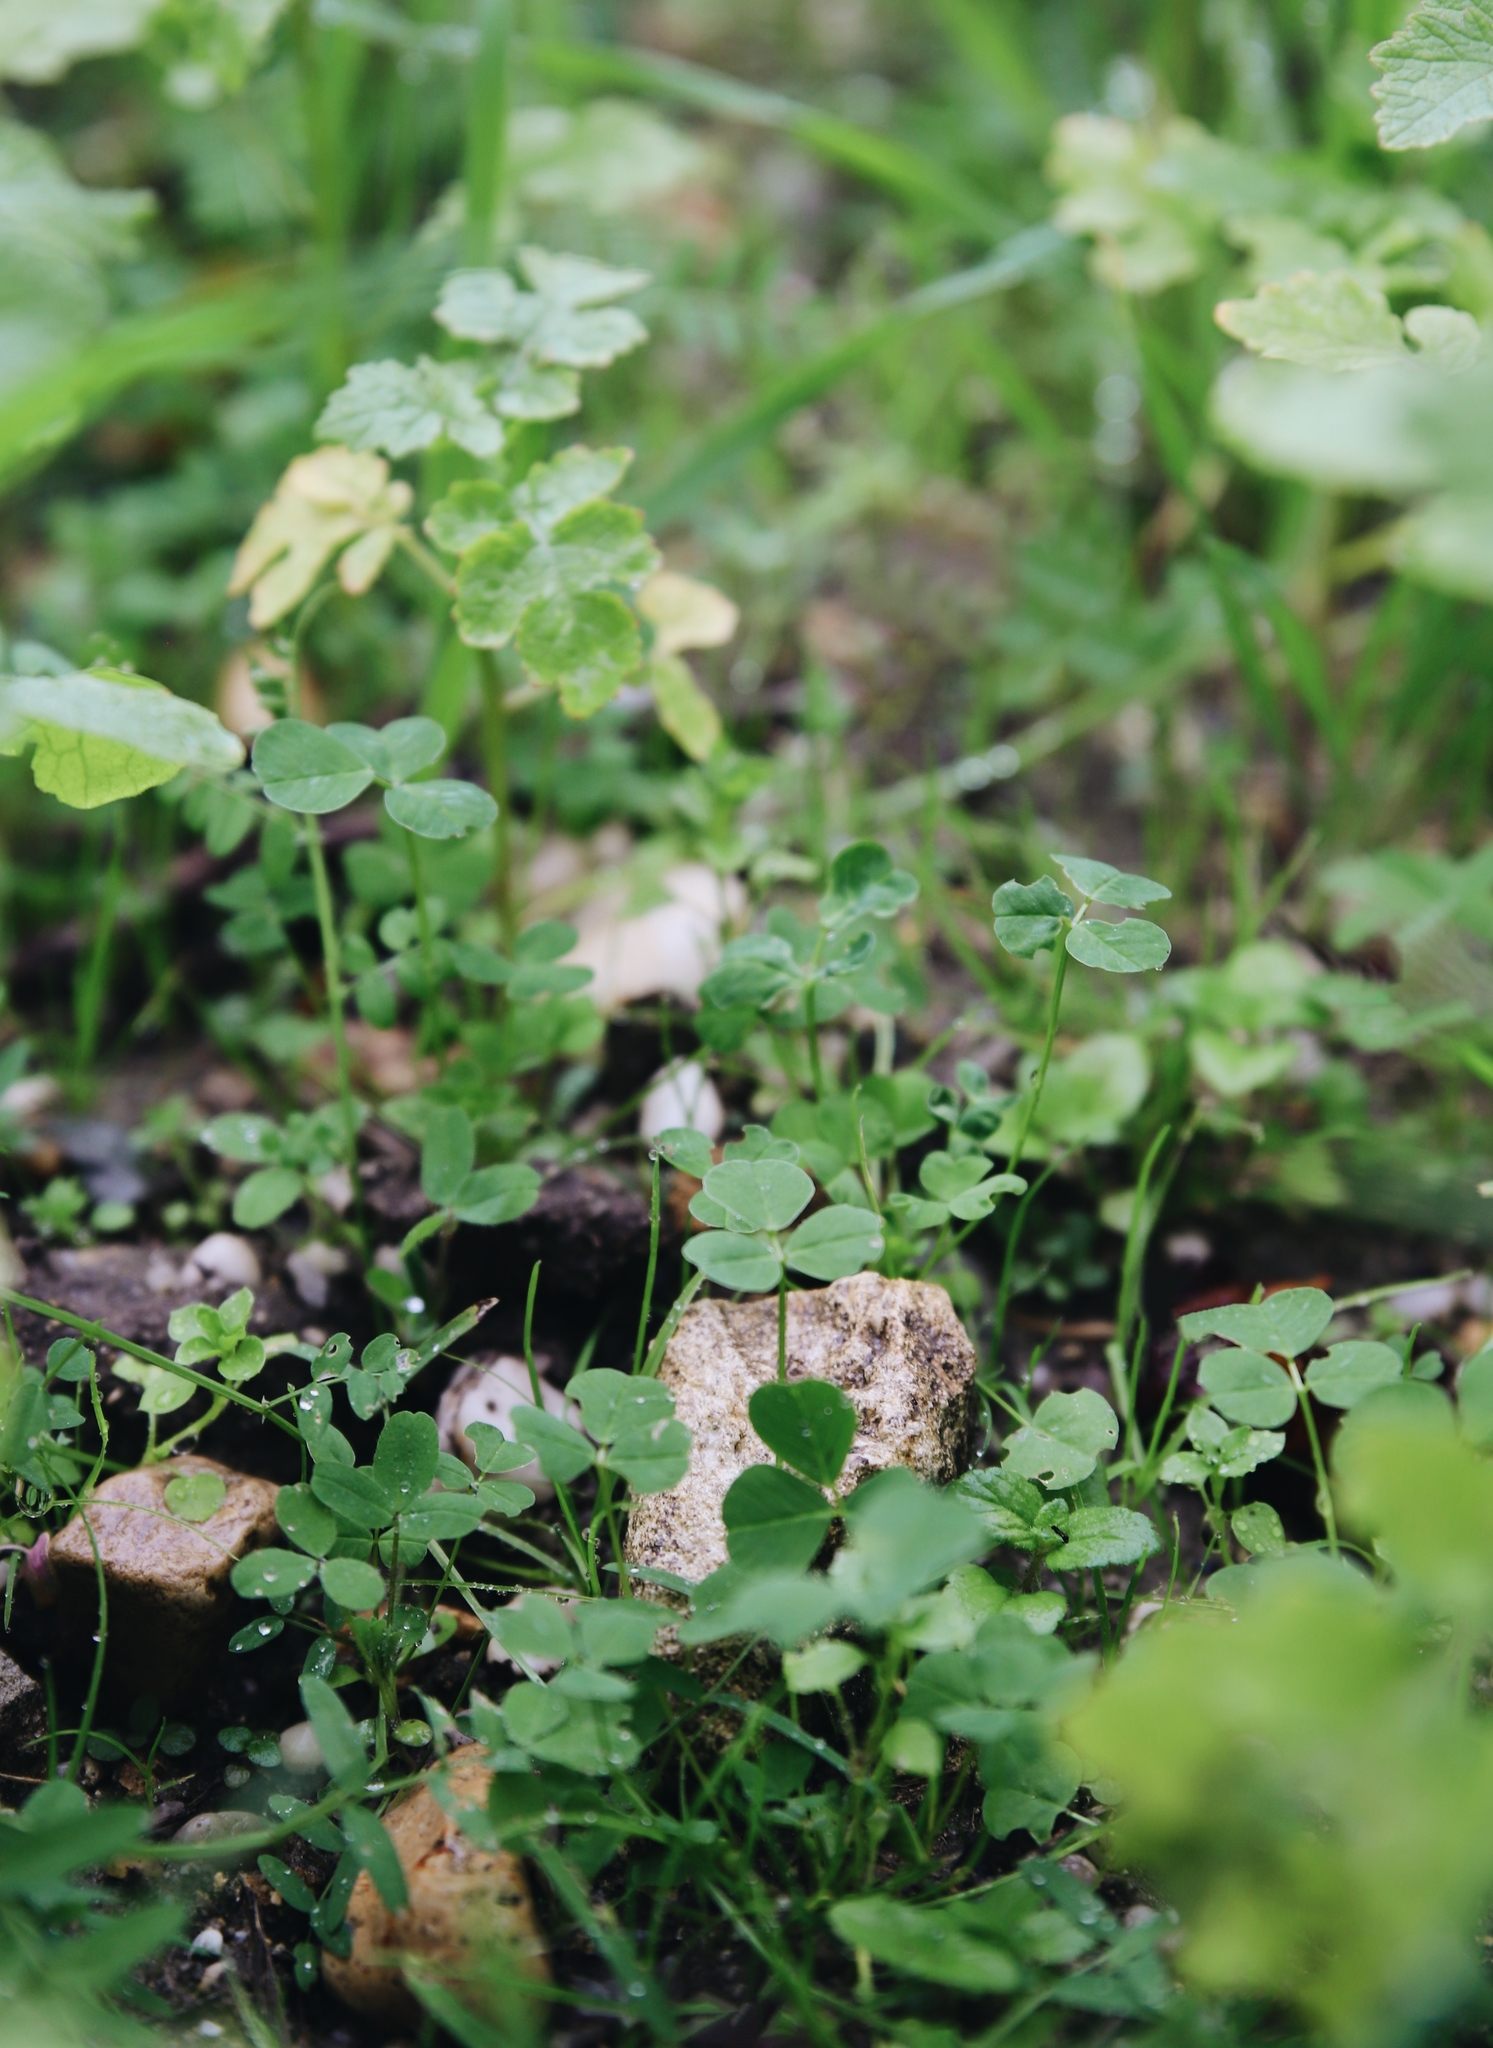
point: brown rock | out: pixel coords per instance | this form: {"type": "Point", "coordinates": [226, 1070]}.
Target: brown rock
{"type": "Point", "coordinates": [469, 1924]}
{"type": "Point", "coordinates": [895, 1347]}
{"type": "Point", "coordinates": [169, 1598]}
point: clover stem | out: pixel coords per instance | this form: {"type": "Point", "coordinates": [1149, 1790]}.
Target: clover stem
{"type": "Point", "coordinates": [1039, 1082]}
{"type": "Point", "coordinates": [331, 953]}
{"type": "Point", "coordinates": [783, 1324]}
{"type": "Point", "coordinates": [495, 752]}
{"type": "Point", "coordinates": [1319, 1463]}
{"type": "Point", "coordinates": [654, 1219]}
{"type": "Point", "coordinates": [431, 1010]}
{"type": "Point", "coordinates": [816, 1057]}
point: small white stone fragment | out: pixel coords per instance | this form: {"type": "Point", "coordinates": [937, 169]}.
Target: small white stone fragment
{"type": "Point", "coordinates": [300, 1751]}
{"type": "Point", "coordinates": [682, 1096]}
{"type": "Point", "coordinates": [489, 1391]}
{"type": "Point", "coordinates": [223, 1260]}
{"type": "Point", "coordinates": [665, 949]}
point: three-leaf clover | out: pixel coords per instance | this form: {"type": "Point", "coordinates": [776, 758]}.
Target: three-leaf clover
{"type": "Point", "coordinates": [748, 1204]}
{"type": "Point", "coordinates": [1031, 916]}
{"type": "Point", "coordinates": [314, 769]}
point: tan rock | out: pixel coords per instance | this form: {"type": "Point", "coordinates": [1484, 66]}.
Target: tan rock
{"type": "Point", "coordinates": [895, 1347]}
{"type": "Point", "coordinates": [169, 1600]}
{"type": "Point", "coordinates": [469, 1924]}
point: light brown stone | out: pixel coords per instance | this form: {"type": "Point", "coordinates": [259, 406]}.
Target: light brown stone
{"type": "Point", "coordinates": [169, 1599]}
{"type": "Point", "coordinates": [469, 1924]}
{"type": "Point", "coordinates": [895, 1347]}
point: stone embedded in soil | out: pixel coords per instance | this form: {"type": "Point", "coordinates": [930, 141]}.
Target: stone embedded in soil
{"type": "Point", "coordinates": [131, 1289]}
{"type": "Point", "coordinates": [23, 1727]}
{"type": "Point", "coordinates": [895, 1347]}
{"type": "Point", "coordinates": [488, 1390]}
{"type": "Point", "coordinates": [469, 1924]}
{"type": "Point", "coordinates": [169, 1598]}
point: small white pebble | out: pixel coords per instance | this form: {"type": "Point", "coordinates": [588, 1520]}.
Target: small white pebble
{"type": "Point", "coordinates": [299, 1749]}
{"type": "Point", "coordinates": [682, 1096]}
{"type": "Point", "coordinates": [208, 1942]}
{"type": "Point", "coordinates": [225, 1260]}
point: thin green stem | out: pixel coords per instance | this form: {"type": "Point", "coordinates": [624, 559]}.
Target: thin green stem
{"type": "Point", "coordinates": [495, 753]}
{"type": "Point", "coordinates": [1319, 1463]}
{"type": "Point", "coordinates": [1039, 1082]}
{"type": "Point", "coordinates": [336, 991]}
{"type": "Point", "coordinates": [654, 1221]}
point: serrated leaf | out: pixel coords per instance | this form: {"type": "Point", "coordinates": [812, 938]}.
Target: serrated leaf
{"type": "Point", "coordinates": [684, 711]}
{"type": "Point", "coordinates": [1133, 947]}
{"type": "Point", "coordinates": [99, 735]}
{"type": "Point", "coordinates": [469, 510]}
{"type": "Point", "coordinates": [1324, 321]}
{"type": "Point", "coordinates": [585, 647]}
{"type": "Point", "coordinates": [576, 477]}
{"type": "Point", "coordinates": [1099, 1537]}
{"type": "Point", "coordinates": [1437, 75]}
{"type": "Point", "coordinates": [333, 500]}
{"type": "Point", "coordinates": [402, 407]}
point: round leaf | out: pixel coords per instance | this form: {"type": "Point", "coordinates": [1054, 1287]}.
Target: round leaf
{"type": "Point", "coordinates": [809, 1424]}
{"type": "Point", "coordinates": [1063, 1442]}
{"type": "Point", "coordinates": [271, 1574]}
{"type": "Point", "coordinates": [302, 768]}
{"type": "Point", "coordinates": [1351, 1370]}
{"type": "Point", "coordinates": [352, 1584]}
{"type": "Point", "coordinates": [1247, 1387]}
{"type": "Point", "coordinates": [440, 810]}
{"type": "Point", "coordinates": [759, 1194]}
{"type": "Point", "coordinates": [1128, 948]}
{"type": "Point", "coordinates": [196, 1496]}
{"type": "Point", "coordinates": [834, 1243]}
{"type": "Point", "coordinates": [774, 1521]}
{"type": "Point", "coordinates": [744, 1265]}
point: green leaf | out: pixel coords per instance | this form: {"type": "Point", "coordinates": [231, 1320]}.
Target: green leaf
{"type": "Point", "coordinates": [943, 1944]}
{"type": "Point", "coordinates": [1129, 948]}
{"type": "Point", "coordinates": [265, 1194]}
{"type": "Point", "coordinates": [564, 319]}
{"type": "Point", "coordinates": [336, 1733]}
{"type": "Point", "coordinates": [757, 1194]}
{"type": "Point", "coordinates": [304, 768]}
{"type": "Point", "coordinates": [585, 647]}
{"type": "Point", "coordinates": [272, 1574]}
{"type": "Point", "coordinates": [744, 1265]}
{"type": "Point", "coordinates": [1063, 1442]}
{"type": "Point", "coordinates": [613, 1402]}
{"type": "Point", "coordinates": [1097, 1537]}
{"type": "Point", "coordinates": [577, 476]}
{"type": "Point", "coordinates": [1325, 320]}
{"type": "Point", "coordinates": [1258, 1530]}
{"type": "Point", "coordinates": [496, 1194]}
{"type": "Point", "coordinates": [308, 1524]}
{"type": "Point", "coordinates": [836, 1242]}
{"type": "Point", "coordinates": [1475, 1399]}
{"type": "Point", "coordinates": [809, 1424]}
{"type": "Point", "coordinates": [99, 735]}
{"type": "Point", "coordinates": [1010, 1508]}
{"type": "Point", "coordinates": [402, 407]}
{"type": "Point", "coordinates": [1247, 1387]}
{"type": "Point", "coordinates": [563, 1453]}
{"type": "Point", "coordinates": [774, 1520]}
{"type": "Point", "coordinates": [195, 1496]}
{"type": "Point", "coordinates": [405, 1458]}
{"type": "Point", "coordinates": [352, 1493]}
{"type": "Point", "coordinates": [42, 39]}
{"type": "Point", "coordinates": [446, 1155]}
{"type": "Point", "coordinates": [440, 810]}
{"type": "Point", "coordinates": [684, 711]}
{"type": "Point", "coordinates": [470, 509]}
{"type": "Point", "coordinates": [689, 1150]}
{"type": "Point", "coordinates": [1029, 915]}
{"type": "Point", "coordinates": [864, 883]}
{"type": "Point", "coordinates": [823, 1667]}
{"type": "Point", "coordinates": [395, 751]}
{"type": "Point", "coordinates": [1289, 1322]}
{"type": "Point", "coordinates": [1348, 1371]}
{"type": "Point", "coordinates": [352, 1584]}
{"type": "Point", "coordinates": [650, 1456]}
{"type": "Point", "coordinates": [1437, 75]}
{"type": "Point", "coordinates": [1102, 883]}
{"type": "Point", "coordinates": [372, 1849]}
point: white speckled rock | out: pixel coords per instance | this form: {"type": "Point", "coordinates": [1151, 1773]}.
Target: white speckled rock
{"type": "Point", "coordinates": [488, 1391]}
{"type": "Point", "coordinates": [895, 1347]}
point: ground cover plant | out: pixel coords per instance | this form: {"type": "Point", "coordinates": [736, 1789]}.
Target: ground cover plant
{"type": "Point", "coordinates": [747, 931]}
